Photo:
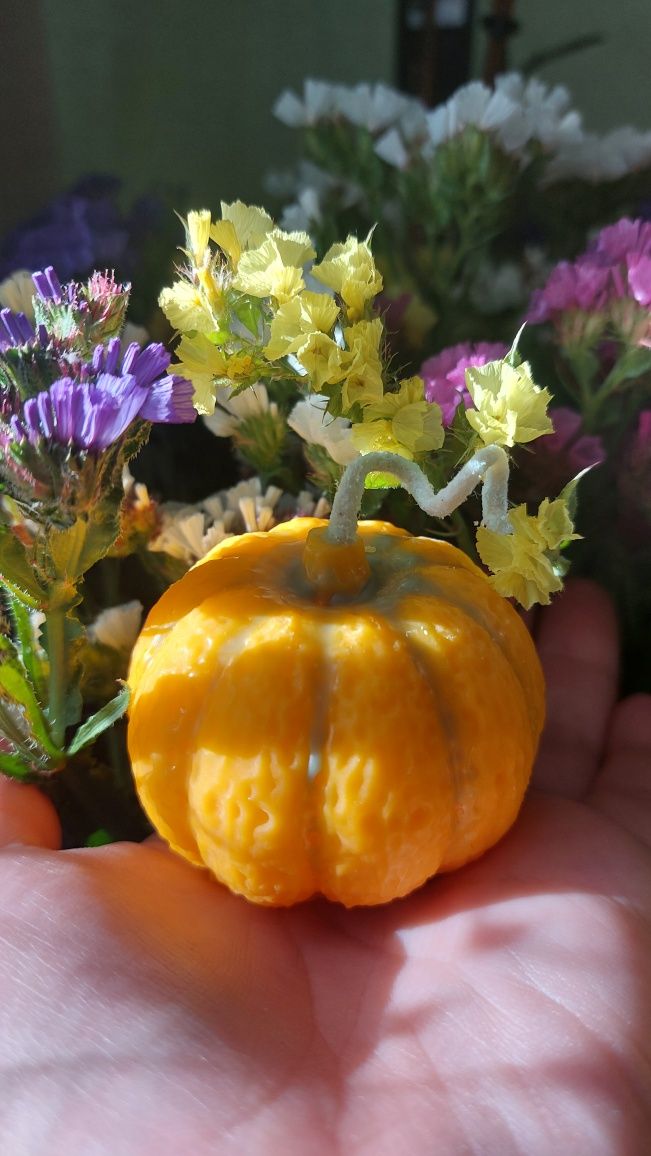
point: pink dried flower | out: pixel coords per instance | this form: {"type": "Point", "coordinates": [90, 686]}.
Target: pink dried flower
{"type": "Point", "coordinates": [609, 286]}
{"type": "Point", "coordinates": [445, 374]}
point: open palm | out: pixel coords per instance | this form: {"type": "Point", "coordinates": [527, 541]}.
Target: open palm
{"type": "Point", "coordinates": [503, 1009]}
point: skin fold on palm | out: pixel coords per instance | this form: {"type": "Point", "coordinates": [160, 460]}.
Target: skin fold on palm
{"type": "Point", "coordinates": [502, 1009]}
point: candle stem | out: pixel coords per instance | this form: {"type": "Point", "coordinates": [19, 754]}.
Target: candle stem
{"type": "Point", "coordinates": [489, 465]}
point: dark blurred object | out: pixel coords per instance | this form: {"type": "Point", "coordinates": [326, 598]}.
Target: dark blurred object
{"type": "Point", "coordinates": [538, 60]}
{"type": "Point", "coordinates": [185, 465]}
{"type": "Point", "coordinates": [500, 25]}
{"type": "Point", "coordinates": [28, 136]}
{"type": "Point", "coordinates": [89, 227]}
{"type": "Point", "coordinates": [434, 41]}
{"type": "Point", "coordinates": [81, 230]}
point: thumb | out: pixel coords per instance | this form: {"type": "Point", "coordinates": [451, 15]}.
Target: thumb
{"type": "Point", "coordinates": [27, 816]}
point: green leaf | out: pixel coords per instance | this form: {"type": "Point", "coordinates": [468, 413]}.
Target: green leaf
{"type": "Point", "coordinates": [14, 683]}
{"type": "Point", "coordinates": [24, 632]}
{"type": "Point", "coordinates": [100, 721]}
{"type": "Point", "coordinates": [13, 766]}
{"type": "Point", "coordinates": [585, 365]}
{"type": "Point", "coordinates": [513, 357]}
{"type": "Point", "coordinates": [248, 313]}
{"type": "Point", "coordinates": [570, 492]}
{"type": "Point", "coordinates": [16, 572]}
{"type": "Point", "coordinates": [71, 550]}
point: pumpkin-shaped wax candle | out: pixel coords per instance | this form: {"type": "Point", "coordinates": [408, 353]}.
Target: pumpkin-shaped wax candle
{"type": "Point", "coordinates": [345, 717]}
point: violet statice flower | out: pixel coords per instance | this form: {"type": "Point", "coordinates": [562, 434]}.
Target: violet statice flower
{"type": "Point", "coordinates": [15, 330]}
{"type": "Point", "coordinates": [445, 374]}
{"type": "Point", "coordinates": [607, 287]}
{"type": "Point", "coordinates": [93, 409]}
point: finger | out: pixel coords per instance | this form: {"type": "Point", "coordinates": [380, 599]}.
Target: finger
{"type": "Point", "coordinates": [27, 817]}
{"type": "Point", "coordinates": [623, 787]}
{"type": "Point", "coordinates": [577, 640]}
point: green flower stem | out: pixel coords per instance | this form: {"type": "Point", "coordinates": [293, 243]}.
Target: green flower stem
{"type": "Point", "coordinates": [56, 636]}
{"type": "Point", "coordinates": [489, 465]}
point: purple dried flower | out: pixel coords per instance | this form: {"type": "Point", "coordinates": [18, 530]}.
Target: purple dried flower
{"type": "Point", "coordinates": [15, 330]}
{"type": "Point", "coordinates": [47, 285]}
{"type": "Point", "coordinates": [92, 410]}
{"type": "Point", "coordinates": [80, 314]}
{"type": "Point", "coordinates": [445, 374]}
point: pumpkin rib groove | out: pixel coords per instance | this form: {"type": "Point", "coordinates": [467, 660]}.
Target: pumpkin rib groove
{"type": "Point", "coordinates": [474, 613]}
{"type": "Point", "coordinates": [317, 749]}
{"type": "Point", "coordinates": [431, 677]}
{"type": "Point", "coordinates": [457, 723]}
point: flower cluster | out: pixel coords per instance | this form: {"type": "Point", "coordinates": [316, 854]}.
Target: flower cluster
{"type": "Point", "coordinates": [75, 405]}
{"type": "Point", "coordinates": [469, 199]}
{"type": "Point", "coordinates": [249, 311]}
{"type": "Point", "coordinates": [188, 532]}
{"type": "Point", "coordinates": [606, 292]}
{"type": "Point", "coordinates": [279, 343]}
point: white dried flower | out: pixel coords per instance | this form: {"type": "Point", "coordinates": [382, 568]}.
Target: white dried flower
{"type": "Point", "coordinates": [373, 107]}
{"type": "Point", "coordinates": [479, 106]}
{"type": "Point", "coordinates": [309, 506]}
{"type": "Point", "coordinates": [117, 627]}
{"type": "Point", "coordinates": [320, 100]}
{"type": "Point", "coordinates": [303, 213]}
{"type": "Point", "coordinates": [547, 111]}
{"type": "Point", "coordinates": [391, 149]}
{"type": "Point", "coordinates": [309, 420]}
{"type": "Point", "coordinates": [185, 534]}
{"type": "Point", "coordinates": [230, 412]}
{"type": "Point", "coordinates": [189, 532]}
{"type": "Point", "coordinates": [601, 158]}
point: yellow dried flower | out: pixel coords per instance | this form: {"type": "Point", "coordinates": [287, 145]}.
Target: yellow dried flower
{"type": "Point", "coordinates": [415, 422]}
{"type": "Point", "coordinates": [275, 268]}
{"type": "Point", "coordinates": [350, 270]}
{"type": "Point", "coordinates": [185, 308]}
{"type": "Point", "coordinates": [524, 563]}
{"type": "Point", "coordinates": [296, 320]}
{"type": "Point", "coordinates": [363, 384]}
{"type": "Point", "coordinates": [510, 407]}
{"type": "Point", "coordinates": [241, 227]}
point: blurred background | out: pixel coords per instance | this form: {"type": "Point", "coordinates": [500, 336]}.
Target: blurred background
{"type": "Point", "coordinates": [177, 98]}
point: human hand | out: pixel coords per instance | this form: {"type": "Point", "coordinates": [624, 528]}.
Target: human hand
{"type": "Point", "coordinates": [502, 1009]}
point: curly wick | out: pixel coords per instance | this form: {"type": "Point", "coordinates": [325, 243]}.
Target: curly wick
{"type": "Point", "coordinates": [489, 465]}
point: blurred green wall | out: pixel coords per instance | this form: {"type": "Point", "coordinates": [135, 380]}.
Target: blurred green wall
{"type": "Point", "coordinates": [182, 93]}
{"type": "Point", "coordinates": [611, 82]}
{"type": "Point", "coordinates": [163, 93]}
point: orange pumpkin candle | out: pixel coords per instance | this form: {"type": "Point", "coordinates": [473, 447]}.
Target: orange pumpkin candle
{"type": "Point", "coordinates": [320, 711]}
